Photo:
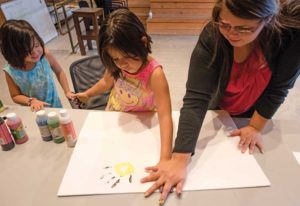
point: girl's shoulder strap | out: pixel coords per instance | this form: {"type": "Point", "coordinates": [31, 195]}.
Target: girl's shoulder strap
{"type": "Point", "coordinates": [150, 67]}
{"type": "Point", "coordinates": [6, 67]}
{"type": "Point", "coordinates": [154, 64]}
{"type": "Point", "coordinates": [10, 70]}
{"type": "Point", "coordinates": [44, 62]}
{"type": "Point", "coordinates": [147, 71]}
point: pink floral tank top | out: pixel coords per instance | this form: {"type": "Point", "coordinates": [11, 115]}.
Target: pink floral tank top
{"type": "Point", "coordinates": [131, 92]}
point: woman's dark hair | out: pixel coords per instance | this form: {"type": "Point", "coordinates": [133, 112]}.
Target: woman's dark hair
{"type": "Point", "coordinates": [17, 41]}
{"type": "Point", "coordinates": [123, 31]}
{"type": "Point", "coordinates": [278, 15]}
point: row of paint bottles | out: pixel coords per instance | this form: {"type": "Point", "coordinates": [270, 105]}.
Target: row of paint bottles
{"type": "Point", "coordinates": [6, 140]}
{"type": "Point", "coordinates": [50, 126]}
{"type": "Point", "coordinates": [58, 129]}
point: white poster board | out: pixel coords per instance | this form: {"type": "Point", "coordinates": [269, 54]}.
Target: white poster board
{"type": "Point", "coordinates": [297, 156]}
{"type": "Point", "coordinates": [33, 11]}
{"type": "Point", "coordinates": [114, 148]}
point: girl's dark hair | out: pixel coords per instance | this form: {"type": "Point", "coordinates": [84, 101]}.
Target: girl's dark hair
{"type": "Point", "coordinates": [123, 31]}
{"type": "Point", "coordinates": [17, 41]}
{"type": "Point", "coordinates": [278, 16]}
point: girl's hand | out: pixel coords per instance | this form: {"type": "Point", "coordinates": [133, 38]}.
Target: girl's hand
{"type": "Point", "coordinates": [82, 96]}
{"type": "Point", "coordinates": [249, 137]}
{"type": "Point", "coordinates": [36, 105]}
{"type": "Point", "coordinates": [70, 95]}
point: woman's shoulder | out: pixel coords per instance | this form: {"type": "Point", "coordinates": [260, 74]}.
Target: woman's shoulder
{"type": "Point", "coordinates": [286, 51]}
{"type": "Point", "coordinates": [290, 40]}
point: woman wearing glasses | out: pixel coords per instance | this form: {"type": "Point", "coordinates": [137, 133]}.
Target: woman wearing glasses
{"type": "Point", "coordinates": [244, 62]}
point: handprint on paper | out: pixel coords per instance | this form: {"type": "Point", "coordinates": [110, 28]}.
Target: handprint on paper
{"type": "Point", "coordinates": [114, 174]}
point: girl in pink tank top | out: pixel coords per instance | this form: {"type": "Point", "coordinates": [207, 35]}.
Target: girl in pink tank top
{"type": "Point", "coordinates": [136, 80]}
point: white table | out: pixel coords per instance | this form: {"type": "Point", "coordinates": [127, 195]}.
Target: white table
{"type": "Point", "coordinates": [31, 173]}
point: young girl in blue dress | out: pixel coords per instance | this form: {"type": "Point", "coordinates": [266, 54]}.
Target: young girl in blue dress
{"type": "Point", "coordinates": [29, 70]}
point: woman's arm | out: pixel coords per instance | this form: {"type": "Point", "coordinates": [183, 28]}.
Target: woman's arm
{"type": "Point", "coordinates": [285, 71]}
{"type": "Point", "coordinates": [159, 86]}
{"type": "Point", "coordinates": [199, 89]}
{"type": "Point", "coordinates": [60, 74]}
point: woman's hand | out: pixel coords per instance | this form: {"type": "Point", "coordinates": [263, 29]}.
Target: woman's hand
{"type": "Point", "coordinates": [36, 105]}
{"type": "Point", "coordinates": [249, 137]}
{"type": "Point", "coordinates": [168, 174]}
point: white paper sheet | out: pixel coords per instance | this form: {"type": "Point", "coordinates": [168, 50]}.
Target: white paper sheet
{"type": "Point", "coordinates": [297, 156]}
{"type": "Point", "coordinates": [114, 148]}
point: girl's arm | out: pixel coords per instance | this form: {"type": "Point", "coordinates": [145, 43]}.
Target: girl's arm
{"type": "Point", "coordinates": [19, 98]}
{"type": "Point", "coordinates": [60, 74]}
{"type": "Point", "coordinates": [102, 86]}
{"type": "Point", "coordinates": [159, 85]}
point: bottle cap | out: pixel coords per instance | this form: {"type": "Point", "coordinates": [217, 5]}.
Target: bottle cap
{"type": "Point", "coordinates": [63, 113]}
{"type": "Point", "coordinates": [41, 113]}
{"type": "Point", "coordinates": [11, 116]}
{"type": "Point", "coordinates": [52, 115]}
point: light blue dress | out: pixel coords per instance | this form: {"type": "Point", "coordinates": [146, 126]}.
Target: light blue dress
{"type": "Point", "coordinates": [37, 83]}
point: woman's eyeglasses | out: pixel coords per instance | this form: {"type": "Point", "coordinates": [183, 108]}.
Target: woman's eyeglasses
{"type": "Point", "coordinates": [238, 29]}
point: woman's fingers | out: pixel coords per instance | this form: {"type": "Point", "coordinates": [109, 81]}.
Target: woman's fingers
{"type": "Point", "coordinates": [154, 187]}
{"type": "Point", "coordinates": [260, 146]}
{"type": "Point", "coordinates": [165, 192]}
{"type": "Point", "coordinates": [151, 168]}
{"type": "Point", "coordinates": [246, 144]}
{"type": "Point", "coordinates": [179, 188]}
{"type": "Point", "coordinates": [234, 133]}
{"type": "Point", "coordinates": [251, 147]}
{"type": "Point", "coordinates": [150, 178]}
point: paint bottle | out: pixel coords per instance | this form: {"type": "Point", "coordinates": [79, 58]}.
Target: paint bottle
{"type": "Point", "coordinates": [53, 124]}
{"type": "Point", "coordinates": [41, 120]}
{"type": "Point", "coordinates": [67, 127]}
{"type": "Point", "coordinates": [6, 139]}
{"type": "Point", "coordinates": [2, 108]}
{"type": "Point", "coordinates": [16, 128]}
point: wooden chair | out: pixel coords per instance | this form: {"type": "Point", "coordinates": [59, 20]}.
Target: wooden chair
{"type": "Point", "coordinates": [95, 14]}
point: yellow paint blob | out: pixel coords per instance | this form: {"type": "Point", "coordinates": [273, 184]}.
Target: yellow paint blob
{"type": "Point", "coordinates": [124, 168]}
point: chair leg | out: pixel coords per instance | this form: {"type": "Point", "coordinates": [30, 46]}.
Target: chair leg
{"type": "Point", "coordinates": [78, 32]}
{"type": "Point", "coordinates": [89, 44]}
